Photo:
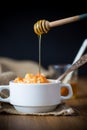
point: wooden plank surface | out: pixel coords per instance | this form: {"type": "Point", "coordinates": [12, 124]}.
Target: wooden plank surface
{"type": "Point", "coordinates": [77, 122]}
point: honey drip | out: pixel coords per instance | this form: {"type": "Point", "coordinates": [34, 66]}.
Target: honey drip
{"type": "Point", "coordinates": [39, 54]}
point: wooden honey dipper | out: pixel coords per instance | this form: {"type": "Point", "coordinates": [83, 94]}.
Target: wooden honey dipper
{"type": "Point", "coordinates": [43, 26]}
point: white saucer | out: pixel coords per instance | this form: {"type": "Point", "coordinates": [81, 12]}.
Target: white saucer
{"type": "Point", "coordinates": [35, 109]}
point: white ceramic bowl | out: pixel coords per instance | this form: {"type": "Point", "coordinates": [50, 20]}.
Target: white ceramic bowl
{"type": "Point", "coordinates": [42, 97]}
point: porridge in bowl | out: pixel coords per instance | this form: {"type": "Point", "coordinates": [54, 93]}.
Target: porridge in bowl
{"type": "Point", "coordinates": [32, 78]}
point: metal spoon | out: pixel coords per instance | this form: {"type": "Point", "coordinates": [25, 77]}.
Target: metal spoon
{"type": "Point", "coordinates": [74, 66]}
{"type": "Point", "coordinates": [79, 54]}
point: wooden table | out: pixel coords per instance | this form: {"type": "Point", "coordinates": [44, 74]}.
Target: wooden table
{"type": "Point", "coordinates": [79, 122]}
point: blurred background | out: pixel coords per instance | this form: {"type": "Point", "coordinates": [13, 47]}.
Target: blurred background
{"type": "Point", "coordinates": [59, 46]}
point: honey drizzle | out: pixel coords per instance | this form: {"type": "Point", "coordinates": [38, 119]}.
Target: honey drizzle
{"type": "Point", "coordinates": [39, 54]}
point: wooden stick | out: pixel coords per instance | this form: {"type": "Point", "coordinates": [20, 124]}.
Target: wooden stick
{"type": "Point", "coordinates": [43, 26]}
{"type": "Point", "coordinates": [67, 20]}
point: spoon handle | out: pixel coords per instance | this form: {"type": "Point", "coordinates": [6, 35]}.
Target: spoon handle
{"type": "Point", "coordinates": [74, 66]}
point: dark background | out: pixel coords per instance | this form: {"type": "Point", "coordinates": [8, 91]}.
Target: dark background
{"type": "Point", "coordinates": [59, 45]}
